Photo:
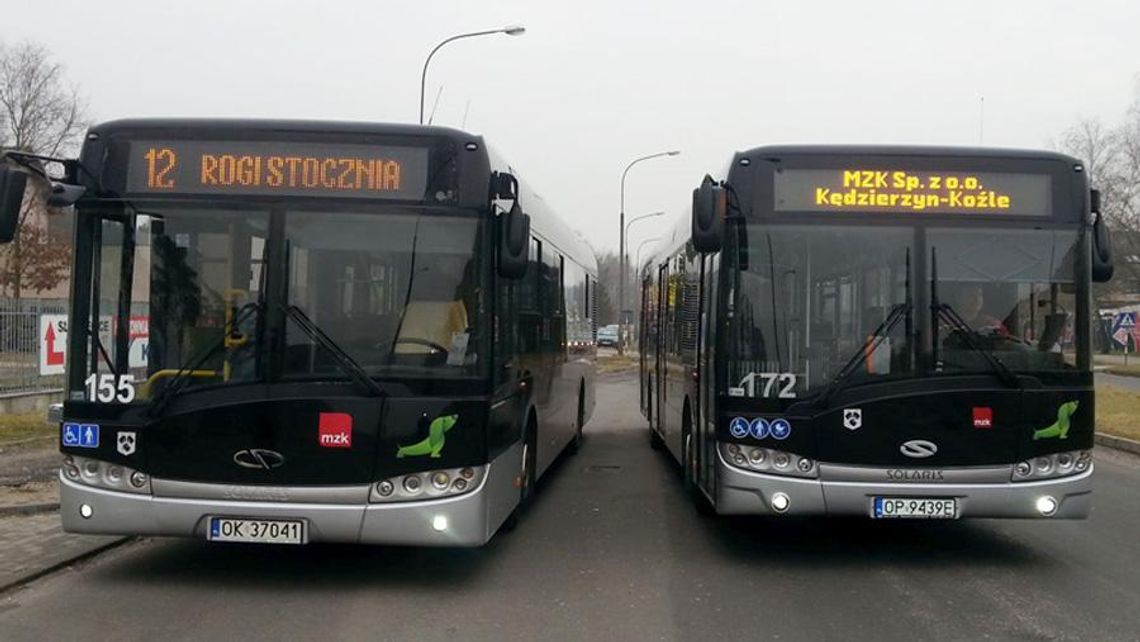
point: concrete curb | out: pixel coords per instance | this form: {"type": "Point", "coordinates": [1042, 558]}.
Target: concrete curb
{"type": "Point", "coordinates": [1119, 443]}
{"type": "Point", "coordinates": [28, 509]}
{"type": "Point", "coordinates": [32, 576]}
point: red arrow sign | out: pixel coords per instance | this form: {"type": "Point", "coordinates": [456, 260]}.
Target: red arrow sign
{"type": "Point", "coordinates": [53, 358]}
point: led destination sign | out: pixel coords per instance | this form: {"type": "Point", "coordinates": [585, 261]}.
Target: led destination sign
{"type": "Point", "coordinates": [915, 192]}
{"type": "Point", "coordinates": [277, 168]}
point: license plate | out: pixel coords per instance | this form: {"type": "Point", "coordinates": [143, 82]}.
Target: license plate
{"type": "Point", "coordinates": [914, 508]}
{"type": "Point", "coordinates": [257, 531]}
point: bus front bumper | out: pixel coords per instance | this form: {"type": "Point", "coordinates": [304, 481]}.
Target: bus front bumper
{"type": "Point", "coordinates": [464, 520]}
{"type": "Point", "coordinates": [741, 492]}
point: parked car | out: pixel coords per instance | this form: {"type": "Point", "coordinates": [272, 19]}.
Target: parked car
{"type": "Point", "coordinates": [608, 335]}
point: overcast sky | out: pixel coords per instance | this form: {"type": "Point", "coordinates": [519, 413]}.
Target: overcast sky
{"type": "Point", "coordinates": [596, 83]}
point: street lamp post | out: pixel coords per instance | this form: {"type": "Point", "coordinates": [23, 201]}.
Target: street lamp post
{"type": "Point", "coordinates": [621, 242]}
{"type": "Point", "coordinates": [513, 30]}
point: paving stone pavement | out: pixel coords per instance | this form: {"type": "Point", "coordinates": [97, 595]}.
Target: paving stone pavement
{"type": "Point", "coordinates": [32, 544]}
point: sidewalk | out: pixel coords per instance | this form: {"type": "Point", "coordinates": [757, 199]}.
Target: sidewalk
{"type": "Point", "coordinates": [32, 542]}
{"type": "Point", "coordinates": [34, 545]}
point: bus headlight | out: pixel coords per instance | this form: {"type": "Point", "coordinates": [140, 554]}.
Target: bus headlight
{"type": "Point", "coordinates": [102, 474]}
{"type": "Point", "coordinates": [1052, 466]}
{"type": "Point", "coordinates": [767, 460]}
{"type": "Point", "coordinates": [432, 484]}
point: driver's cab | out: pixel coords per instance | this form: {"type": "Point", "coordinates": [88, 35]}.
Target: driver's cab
{"type": "Point", "coordinates": [1029, 326]}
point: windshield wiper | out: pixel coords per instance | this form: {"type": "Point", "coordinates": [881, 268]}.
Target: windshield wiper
{"type": "Point", "coordinates": [948, 314]}
{"type": "Point", "coordinates": [346, 362]}
{"type": "Point", "coordinates": [943, 311]}
{"type": "Point", "coordinates": [898, 312]}
{"type": "Point", "coordinates": [180, 378]}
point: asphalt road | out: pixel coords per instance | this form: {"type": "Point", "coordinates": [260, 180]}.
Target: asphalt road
{"type": "Point", "coordinates": [613, 550]}
{"type": "Point", "coordinates": [1128, 383]}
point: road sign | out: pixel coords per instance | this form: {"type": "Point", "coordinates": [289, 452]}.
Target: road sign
{"type": "Point", "coordinates": [1123, 325]}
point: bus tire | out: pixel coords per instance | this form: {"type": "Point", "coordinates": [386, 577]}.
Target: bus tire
{"type": "Point", "coordinates": [527, 475]}
{"type": "Point", "coordinates": [576, 443]}
{"type": "Point", "coordinates": [689, 459]}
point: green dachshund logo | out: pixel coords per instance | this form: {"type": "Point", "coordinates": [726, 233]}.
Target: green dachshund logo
{"type": "Point", "coordinates": [1059, 428]}
{"type": "Point", "coordinates": [433, 445]}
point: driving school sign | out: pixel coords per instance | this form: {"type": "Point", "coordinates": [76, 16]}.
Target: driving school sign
{"type": "Point", "coordinates": [53, 341]}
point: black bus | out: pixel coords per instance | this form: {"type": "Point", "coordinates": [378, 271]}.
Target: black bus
{"type": "Point", "coordinates": [886, 332]}
{"type": "Point", "coordinates": [286, 332]}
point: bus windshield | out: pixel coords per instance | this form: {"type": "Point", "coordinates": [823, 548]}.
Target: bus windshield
{"type": "Point", "coordinates": [397, 290]}
{"type": "Point", "coordinates": [814, 298]}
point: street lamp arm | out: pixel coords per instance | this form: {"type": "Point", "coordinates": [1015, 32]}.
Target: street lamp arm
{"type": "Point", "coordinates": [638, 218]}
{"type": "Point", "coordinates": [634, 162]}
{"type": "Point", "coordinates": [423, 74]}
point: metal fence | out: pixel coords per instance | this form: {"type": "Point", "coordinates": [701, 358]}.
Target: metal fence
{"type": "Point", "coordinates": [20, 345]}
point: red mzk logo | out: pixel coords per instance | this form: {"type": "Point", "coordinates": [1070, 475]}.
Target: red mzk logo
{"type": "Point", "coordinates": [335, 430]}
{"type": "Point", "coordinates": [983, 417]}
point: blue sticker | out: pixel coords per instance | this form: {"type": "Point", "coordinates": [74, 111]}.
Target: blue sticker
{"type": "Point", "coordinates": [88, 435]}
{"type": "Point", "coordinates": [738, 427]}
{"type": "Point", "coordinates": [70, 436]}
{"type": "Point", "coordinates": [759, 428]}
{"type": "Point", "coordinates": [215, 527]}
{"type": "Point", "coordinates": [781, 428]}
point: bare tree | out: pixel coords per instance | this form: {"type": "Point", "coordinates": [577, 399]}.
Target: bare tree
{"type": "Point", "coordinates": [40, 113]}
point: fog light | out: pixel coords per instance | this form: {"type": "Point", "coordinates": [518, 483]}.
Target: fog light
{"type": "Point", "coordinates": [467, 473]}
{"type": "Point", "coordinates": [1046, 505]}
{"type": "Point", "coordinates": [439, 522]}
{"type": "Point", "coordinates": [738, 459]}
{"type": "Point", "coordinates": [70, 470]}
{"type": "Point", "coordinates": [780, 502]}
{"type": "Point", "coordinates": [85, 511]}
{"type": "Point", "coordinates": [440, 480]}
{"type": "Point", "coordinates": [1044, 465]}
{"type": "Point", "coordinates": [91, 468]}
{"type": "Point", "coordinates": [385, 488]}
{"type": "Point", "coordinates": [412, 484]}
{"type": "Point", "coordinates": [804, 465]}
{"type": "Point", "coordinates": [782, 460]}
{"type": "Point", "coordinates": [460, 484]}
{"type": "Point", "coordinates": [756, 456]}
{"type": "Point", "coordinates": [138, 480]}
{"type": "Point", "coordinates": [1023, 469]}
{"type": "Point", "coordinates": [733, 449]}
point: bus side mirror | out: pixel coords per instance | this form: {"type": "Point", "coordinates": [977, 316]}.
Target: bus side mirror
{"type": "Point", "coordinates": [12, 185]}
{"type": "Point", "coordinates": [1102, 267]}
{"type": "Point", "coordinates": [514, 237]}
{"type": "Point", "coordinates": [708, 216]}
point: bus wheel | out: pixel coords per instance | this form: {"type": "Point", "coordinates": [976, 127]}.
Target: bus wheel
{"type": "Point", "coordinates": [526, 477]}
{"type": "Point", "coordinates": [576, 443]}
{"type": "Point", "coordinates": [700, 502]}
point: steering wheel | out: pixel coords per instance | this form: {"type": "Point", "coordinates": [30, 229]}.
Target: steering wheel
{"type": "Point", "coordinates": [422, 342]}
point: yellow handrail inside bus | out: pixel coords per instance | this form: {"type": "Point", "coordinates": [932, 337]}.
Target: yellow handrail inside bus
{"type": "Point", "coordinates": [170, 372]}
